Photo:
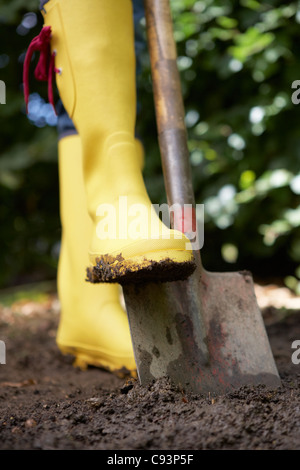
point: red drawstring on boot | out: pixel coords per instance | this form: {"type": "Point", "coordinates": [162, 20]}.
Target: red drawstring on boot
{"type": "Point", "coordinates": [45, 67]}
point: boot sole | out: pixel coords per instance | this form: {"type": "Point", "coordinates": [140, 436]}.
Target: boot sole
{"type": "Point", "coordinates": [84, 359]}
{"type": "Point", "coordinates": [153, 267]}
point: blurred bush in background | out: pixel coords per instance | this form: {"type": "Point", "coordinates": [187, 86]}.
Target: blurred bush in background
{"type": "Point", "coordinates": [237, 60]}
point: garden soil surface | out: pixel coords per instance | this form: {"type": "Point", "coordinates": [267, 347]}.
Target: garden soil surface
{"type": "Point", "coordinates": [46, 403]}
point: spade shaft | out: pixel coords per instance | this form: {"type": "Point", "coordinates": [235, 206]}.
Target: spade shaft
{"type": "Point", "coordinates": [169, 105]}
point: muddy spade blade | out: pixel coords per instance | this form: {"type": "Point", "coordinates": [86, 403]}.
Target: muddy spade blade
{"type": "Point", "coordinates": [205, 333]}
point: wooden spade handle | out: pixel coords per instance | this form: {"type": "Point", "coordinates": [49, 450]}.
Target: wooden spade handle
{"type": "Point", "coordinates": [169, 107]}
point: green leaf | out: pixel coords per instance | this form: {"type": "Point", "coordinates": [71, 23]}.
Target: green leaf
{"type": "Point", "coordinates": [249, 43]}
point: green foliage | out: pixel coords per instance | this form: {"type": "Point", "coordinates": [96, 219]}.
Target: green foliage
{"type": "Point", "coordinates": [237, 60]}
{"type": "Point", "coordinates": [30, 227]}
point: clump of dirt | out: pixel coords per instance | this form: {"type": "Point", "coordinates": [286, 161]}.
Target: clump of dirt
{"type": "Point", "coordinates": [112, 270]}
{"type": "Point", "coordinates": [45, 403]}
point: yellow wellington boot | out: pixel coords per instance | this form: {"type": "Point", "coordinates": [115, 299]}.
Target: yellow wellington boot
{"type": "Point", "coordinates": [94, 45]}
{"type": "Point", "coordinates": [93, 326]}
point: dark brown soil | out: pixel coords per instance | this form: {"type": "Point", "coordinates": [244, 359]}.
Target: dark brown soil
{"type": "Point", "coordinates": [106, 270]}
{"type": "Point", "coordinates": [45, 403]}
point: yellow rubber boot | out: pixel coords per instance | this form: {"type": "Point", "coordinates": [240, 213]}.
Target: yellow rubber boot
{"type": "Point", "coordinates": [93, 325]}
{"type": "Point", "coordinates": [94, 45]}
